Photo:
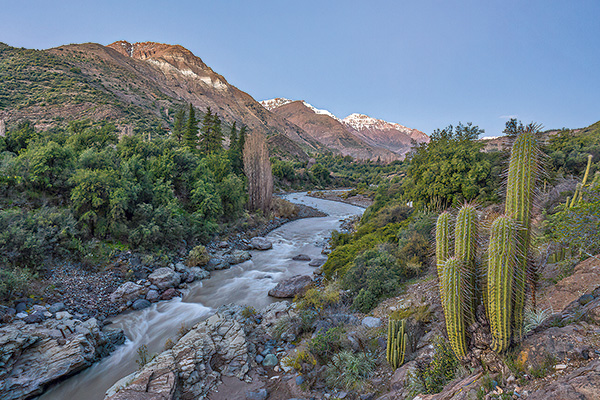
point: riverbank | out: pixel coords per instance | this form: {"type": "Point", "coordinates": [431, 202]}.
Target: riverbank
{"type": "Point", "coordinates": [344, 196]}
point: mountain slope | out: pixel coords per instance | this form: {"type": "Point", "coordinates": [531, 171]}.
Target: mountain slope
{"type": "Point", "coordinates": [357, 135]}
{"type": "Point", "coordinates": [129, 84]}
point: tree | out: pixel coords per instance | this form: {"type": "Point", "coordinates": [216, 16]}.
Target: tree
{"type": "Point", "coordinates": [449, 169]}
{"type": "Point", "coordinates": [211, 136]}
{"type": "Point", "coordinates": [258, 171]}
{"type": "Point", "coordinates": [236, 147]}
{"type": "Point", "coordinates": [191, 132]}
{"type": "Point", "coordinates": [178, 124]}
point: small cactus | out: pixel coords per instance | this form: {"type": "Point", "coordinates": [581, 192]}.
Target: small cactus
{"type": "Point", "coordinates": [396, 342]}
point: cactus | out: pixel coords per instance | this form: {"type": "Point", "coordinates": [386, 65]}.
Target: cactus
{"type": "Point", "coordinates": [396, 342]}
{"type": "Point", "coordinates": [522, 175]}
{"type": "Point", "coordinates": [587, 170]}
{"type": "Point", "coordinates": [442, 240]}
{"type": "Point", "coordinates": [451, 286]}
{"type": "Point", "coordinates": [576, 196]}
{"type": "Point", "coordinates": [502, 259]}
{"type": "Point", "coordinates": [465, 250]}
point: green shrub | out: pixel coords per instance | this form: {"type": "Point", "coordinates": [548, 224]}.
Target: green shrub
{"type": "Point", "coordinates": [14, 281]}
{"type": "Point", "coordinates": [324, 345]}
{"type": "Point", "coordinates": [431, 376]}
{"type": "Point", "coordinates": [198, 257]}
{"type": "Point", "coordinates": [349, 371]}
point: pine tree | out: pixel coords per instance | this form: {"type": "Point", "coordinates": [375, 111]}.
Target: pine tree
{"type": "Point", "coordinates": [216, 137]}
{"type": "Point", "coordinates": [206, 131]}
{"type": "Point", "coordinates": [191, 132]}
{"type": "Point", "coordinates": [178, 124]}
{"type": "Point", "coordinates": [236, 152]}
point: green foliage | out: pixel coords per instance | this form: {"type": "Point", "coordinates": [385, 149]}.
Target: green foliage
{"type": "Point", "coordinates": [432, 376]}
{"type": "Point", "coordinates": [198, 257]}
{"type": "Point", "coordinates": [14, 281]}
{"type": "Point", "coordinates": [190, 137]}
{"type": "Point", "coordinates": [318, 299]}
{"type": "Point", "coordinates": [450, 169]}
{"type": "Point", "coordinates": [349, 371]}
{"type": "Point", "coordinates": [324, 345]}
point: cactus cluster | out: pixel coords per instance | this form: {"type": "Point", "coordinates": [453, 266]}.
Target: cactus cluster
{"type": "Point", "coordinates": [503, 289]}
{"type": "Point", "coordinates": [396, 342]}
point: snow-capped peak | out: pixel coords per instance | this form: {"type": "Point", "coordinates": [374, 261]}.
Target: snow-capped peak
{"type": "Point", "coordinates": [319, 111]}
{"type": "Point", "coordinates": [275, 103]}
{"type": "Point", "coordinates": [362, 121]}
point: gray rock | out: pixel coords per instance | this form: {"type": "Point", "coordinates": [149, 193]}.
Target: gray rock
{"type": "Point", "coordinates": [56, 307]}
{"type": "Point", "coordinates": [140, 304]}
{"type": "Point", "coordinates": [21, 315]}
{"type": "Point", "coordinates": [180, 267]}
{"type": "Point", "coordinates": [63, 315]}
{"type": "Point", "coordinates": [257, 395]}
{"type": "Point", "coordinates": [35, 318]}
{"type": "Point", "coordinates": [301, 257]}
{"type": "Point", "coordinates": [217, 263]}
{"type": "Point", "coordinates": [259, 358]}
{"type": "Point", "coordinates": [38, 307]}
{"type": "Point", "coordinates": [199, 273]}
{"type": "Point", "coordinates": [291, 287]}
{"type": "Point", "coordinates": [34, 356]}
{"type": "Point", "coordinates": [165, 278]}
{"type": "Point", "coordinates": [222, 244]}
{"type": "Point", "coordinates": [21, 307]}
{"type": "Point", "coordinates": [260, 243]}
{"type": "Point", "coordinates": [270, 360]}
{"type": "Point", "coordinates": [317, 262]}
{"type": "Point", "coordinates": [299, 380]}
{"type": "Point", "coordinates": [152, 295]}
{"type": "Point", "coordinates": [237, 257]}
{"type": "Point", "coordinates": [586, 298]}
{"type": "Point", "coordinates": [127, 292]}
{"type": "Point", "coordinates": [371, 322]}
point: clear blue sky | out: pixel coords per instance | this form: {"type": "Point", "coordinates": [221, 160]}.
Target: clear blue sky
{"type": "Point", "coordinates": [424, 64]}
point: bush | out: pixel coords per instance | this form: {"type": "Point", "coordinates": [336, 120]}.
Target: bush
{"type": "Point", "coordinates": [318, 299]}
{"type": "Point", "coordinates": [198, 257]}
{"type": "Point", "coordinates": [349, 371]}
{"type": "Point", "coordinates": [431, 377]}
{"type": "Point", "coordinates": [13, 281]}
{"type": "Point", "coordinates": [324, 345]}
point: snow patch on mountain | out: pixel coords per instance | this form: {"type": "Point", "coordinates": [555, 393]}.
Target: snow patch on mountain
{"type": "Point", "coordinates": [275, 103]}
{"type": "Point", "coordinates": [362, 121]}
{"type": "Point", "coordinates": [319, 111]}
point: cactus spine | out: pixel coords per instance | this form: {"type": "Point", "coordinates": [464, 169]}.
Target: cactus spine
{"type": "Point", "coordinates": [501, 265]}
{"type": "Point", "coordinates": [522, 175]}
{"type": "Point", "coordinates": [396, 342]}
{"type": "Point", "coordinates": [451, 286]}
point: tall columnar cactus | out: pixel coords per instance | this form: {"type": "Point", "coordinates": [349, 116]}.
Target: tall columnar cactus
{"type": "Point", "coordinates": [502, 261]}
{"type": "Point", "coordinates": [442, 240]}
{"type": "Point", "coordinates": [453, 300]}
{"type": "Point", "coordinates": [466, 233]}
{"type": "Point", "coordinates": [396, 342]}
{"type": "Point", "coordinates": [522, 175]}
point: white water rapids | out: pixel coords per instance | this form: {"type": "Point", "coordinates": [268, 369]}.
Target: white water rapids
{"type": "Point", "coordinates": [246, 283]}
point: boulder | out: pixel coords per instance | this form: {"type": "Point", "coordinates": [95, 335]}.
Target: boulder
{"type": "Point", "coordinates": [140, 304]}
{"type": "Point", "coordinates": [217, 263]}
{"type": "Point", "coordinates": [270, 360]}
{"type": "Point", "coordinates": [56, 307]}
{"type": "Point", "coordinates": [34, 355]}
{"type": "Point", "coordinates": [127, 292]}
{"type": "Point", "coordinates": [35, 318]}
{"type": "Point", "coordinates": [169, 294]}
{"type": "Point", "coordinates": [199, 273]}
{"type": "Point", "coordinates": [152, 295]}
{"type": "Point", "coordinates": [238, 256]}
{"type": "Point", "coordinates": [193, 366]}
{"type": "Point", "coordinates": [301, 257]}
{"type": "Point", "coordinates": [317, 262]}
{"type": "Point", "coordinates": [274, 311]}
{"type": "Point", "coordinates": [371, 322]}
{"type": "Point", "coordinates": [260, 243]}
{"type": "Point", "coordinates": [296, 285]}
{"type": "Point", "coordinates": [165, 278]}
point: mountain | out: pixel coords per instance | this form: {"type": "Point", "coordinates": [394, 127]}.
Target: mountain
{"type": "Point", "coordinates": [136, 84]}
{"type": "Point", "coordinates": [357, 135]}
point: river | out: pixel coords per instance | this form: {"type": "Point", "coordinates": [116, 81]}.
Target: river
{"type": "Point", "coordinates": [246, 283]}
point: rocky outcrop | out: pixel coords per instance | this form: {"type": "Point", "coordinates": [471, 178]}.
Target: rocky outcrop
{"type": "Point", "coordinates": [213, 348]}
{"type": "Point", "coordinates": [34, 355]}
{"type": "Point", "coordinates": [581, 384]}
{"type": "Point", "coordinates": [291, 287]}
{"type": "Point", "coordinates": [165, 278]}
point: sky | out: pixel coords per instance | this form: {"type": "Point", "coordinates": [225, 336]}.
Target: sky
{"type": "Point", "coordinates": [422, 63]}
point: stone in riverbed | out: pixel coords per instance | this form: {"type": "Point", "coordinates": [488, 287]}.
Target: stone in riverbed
{"type": "Point", "coordinates": [237, 256]}
{"type": "Point", "coordinates": [217, 263]}
{"type": "Point", "coordinates": [152, 295]}
{"type": "Point", "coordinates": [270, 360]}
{"type": "Point", "coordinates": [165, 278]}
{"type": "Point", "coordinates": [317, 262]}
{"type": "Point", "coordinates": [260, 243]}
{"type": "Point", "coordinates": [291, 287]}
{"type": "Point", "coordinates": [140, 304]}
{"type": "Point", "coordinates": [301, 257]}
{"type": "Point", "coordinates": [127, 292]}
{"type": "Point", "coordinates": [199, 273]}
{"type": "Point", "coordinates": [169, 294]}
